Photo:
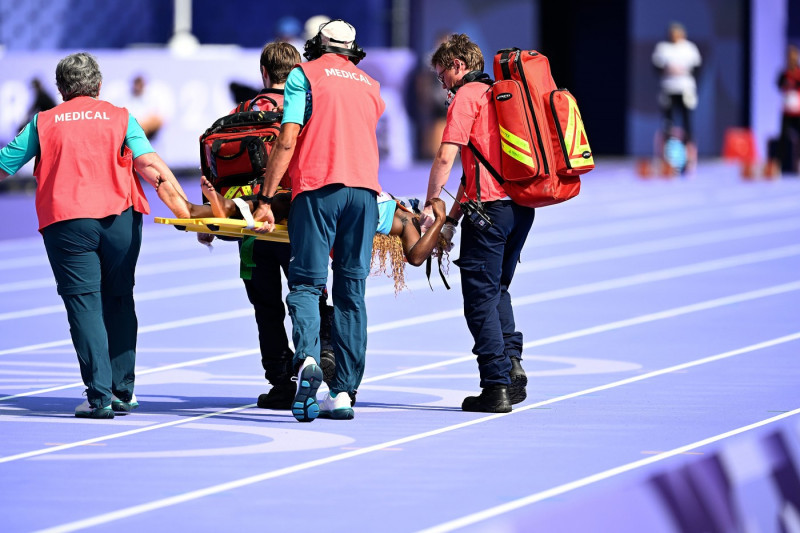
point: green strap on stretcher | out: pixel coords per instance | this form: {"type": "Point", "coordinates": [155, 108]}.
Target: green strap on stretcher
{"type": "Point", "coordinates": [246, 262]}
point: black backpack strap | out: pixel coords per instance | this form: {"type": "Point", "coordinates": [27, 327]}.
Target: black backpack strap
{"type": "Point", "coordinates": [505, 53]}
{"type": "Point", "coordinates": [248, 106]}
{"type": "Point", "coordinates": [482, 160]}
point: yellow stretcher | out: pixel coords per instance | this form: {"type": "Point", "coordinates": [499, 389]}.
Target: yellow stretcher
{"type": "Point", "coordinates": [229, 227]}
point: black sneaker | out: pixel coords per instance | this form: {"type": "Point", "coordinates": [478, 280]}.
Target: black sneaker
{"type": "Point", "coordinates": [516, 391]}
{"type": "Point", "coordinates": [328, 363]}
{"type": "Point", "coordinates": [491, 400]}
{"type": "Point", "coordinates": [280, 396]}
{"type": "Point", "coordinates": [85, 410]}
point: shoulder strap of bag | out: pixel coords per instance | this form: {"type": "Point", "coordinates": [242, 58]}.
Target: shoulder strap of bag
{"type": "Point", "coordinates": [263, 94]}
{"type": "Point", "coordinates": [482, 161]}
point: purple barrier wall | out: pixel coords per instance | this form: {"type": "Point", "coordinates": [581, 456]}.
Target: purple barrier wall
{"type": "Point", "coordinates": [191, 92]}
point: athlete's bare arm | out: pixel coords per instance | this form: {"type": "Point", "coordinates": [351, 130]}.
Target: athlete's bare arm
{"type": "Point", "coordinates": [418, 248]}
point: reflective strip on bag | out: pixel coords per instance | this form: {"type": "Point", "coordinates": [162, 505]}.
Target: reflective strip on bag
{"type": "Point", "coordinates": [577, 144]}
{"type": "Point", "coordinates": [519, 142]}
{"type": "Point", "coordinates": [508, 139]}
{"type": "Point", "coordinates": [519, 156]}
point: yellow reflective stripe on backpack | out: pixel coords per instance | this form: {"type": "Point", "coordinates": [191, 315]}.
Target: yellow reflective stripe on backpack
{"type": "Point", "coordinates": [575, 138]}
{"type": "Point", "coordinates": [519, 142]}
{"type": "Point", "coordinates": [525, 159]}
{"type": "Point", "coordinates": [509, 138]}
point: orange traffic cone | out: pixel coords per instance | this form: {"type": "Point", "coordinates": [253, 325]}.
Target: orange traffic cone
{"type": "Point", "coordinates": [748, 172]}
{"type": "Point", "coordinates": [644, 168]}
{"type": "Point", "coordinates": [772, 170]}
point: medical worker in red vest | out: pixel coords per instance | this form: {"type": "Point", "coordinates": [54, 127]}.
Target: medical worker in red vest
{"type": "Point", "coordinates": [264, 287]}
{"type": "Point", "coordinates": [328, 144]}
{"type": "Point", "coordinates": [90, 206]}
{"type": "Point", "coordinates": [489, 254]}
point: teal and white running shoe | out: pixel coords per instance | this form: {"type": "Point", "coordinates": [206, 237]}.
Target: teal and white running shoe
{"type": "Point", "coordinates": [309, 378]}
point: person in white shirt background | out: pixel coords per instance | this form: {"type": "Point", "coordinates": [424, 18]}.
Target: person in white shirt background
{"type": "Point", "coordinates": [678, 60]}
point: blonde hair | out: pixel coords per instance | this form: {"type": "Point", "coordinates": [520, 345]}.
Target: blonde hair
{"type": "Point", "coordinates": [458, 46]}
{"type": "Point", "coordinates": [388, 258]}
{"type": "Point", "coordinates": [387, 250]}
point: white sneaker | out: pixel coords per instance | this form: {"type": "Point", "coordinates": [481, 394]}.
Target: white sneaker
{"type": "Point", "coordinates": [309, 378]}
{"type": "Point", "coordinates": [336, 406]}
{"type": "Point", "coordinates": [124, 407]}
{"type": "Point", "coordinates": [85, 410]}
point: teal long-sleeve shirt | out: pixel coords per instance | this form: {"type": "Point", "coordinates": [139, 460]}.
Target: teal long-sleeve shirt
{"type": "Point", "coordinates": [25, 145]}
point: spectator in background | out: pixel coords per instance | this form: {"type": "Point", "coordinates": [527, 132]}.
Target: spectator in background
{"type": "Point", "coordinates": [144, 107]}
{"type": "Point", "coordinates": [313, 25]}
{"type": "Point", "coordinates": [288, 30]}
{"type": "Point", "coordinates": [677, 61]}
{"type": "Point", "coordinates": [90, 206]}
{"type": "Point", "coordinates": [429, 107]}
{"type": "Point", "coordinates": [41, 101]}
{"type": "Point", "coordinates": [789, 85]}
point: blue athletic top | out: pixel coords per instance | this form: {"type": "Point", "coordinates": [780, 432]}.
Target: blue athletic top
{"type": "Point", "coordinates": [386, 208]}
{"type": "Point", "coordinates": [25, 145]}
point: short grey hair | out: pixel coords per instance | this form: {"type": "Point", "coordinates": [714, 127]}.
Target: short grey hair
{"type": "Point", "coordinates": [78, 75]}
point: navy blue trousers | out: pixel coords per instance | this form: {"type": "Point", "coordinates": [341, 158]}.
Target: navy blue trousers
{"type": "Point", "coordinates": [487, 262]}
{"type": "Point", "coordinates": [93, 261]}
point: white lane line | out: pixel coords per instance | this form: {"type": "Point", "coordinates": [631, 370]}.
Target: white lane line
{"type": "Point", "coordinates": [159, 294]}
{"type": "Point", "coordinates": [148, 249]}
{"type": "Point", "coordinates": [594, 478]}
{"type": "Point", "coordinates": [632, 250]}
{"type": "Point", "coordinates": [143, 269]}
{"type": "Point", "coordinates": [556, 236]}
{"type": "Point", "coordinates": [194, 362]}
{"type": "Point", "coordinates": [650, 317]}
{"type": "Point", "coordinates": [61, 447]}
{"type": "Point", "coordinates": [617, 283]}
{"type": "Point", "coordinates": [669, 313]}
{"type": "Point", "coordinates": [557, 338]}
{"type": "Point", "coordinates": [232, 485]}
{"type": "Point", "coordinates": [203, 319]}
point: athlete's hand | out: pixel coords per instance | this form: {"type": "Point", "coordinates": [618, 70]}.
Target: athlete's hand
{"type": "Point", "coordinates": [263, 213]}
{"type": "Point", "coordinates": [438, 207]}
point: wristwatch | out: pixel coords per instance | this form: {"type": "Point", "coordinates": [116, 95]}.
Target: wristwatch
{"type": "Point", "coordinates": [451, 220]}
{"type": "Point", "coordinates": [264, 199]}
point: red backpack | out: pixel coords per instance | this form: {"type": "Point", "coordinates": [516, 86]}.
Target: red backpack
{"type": "Point", "coordinates": [235, 149]}
{"type": "Point", "coordinates": [544, 148]}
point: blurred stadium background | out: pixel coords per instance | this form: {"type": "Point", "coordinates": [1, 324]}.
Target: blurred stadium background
{"type": "Point", "coordinates": [599, 49]}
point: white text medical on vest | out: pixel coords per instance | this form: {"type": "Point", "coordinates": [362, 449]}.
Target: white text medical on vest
{"type": "Point", "coordinates": [82, 115]}
{"type": "Point", "coordinates": [345, 74]}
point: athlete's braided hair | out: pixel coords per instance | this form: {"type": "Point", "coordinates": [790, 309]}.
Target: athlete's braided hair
{"type": "Point", "coordinates": [389, 249]}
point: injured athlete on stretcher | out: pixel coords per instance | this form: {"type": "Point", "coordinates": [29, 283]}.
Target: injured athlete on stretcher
{"type": "Point", "coordinates": [397, 234]}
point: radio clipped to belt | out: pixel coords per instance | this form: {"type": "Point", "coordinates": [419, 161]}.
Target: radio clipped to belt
{"type": "Point", "coordinates": [473, 210]}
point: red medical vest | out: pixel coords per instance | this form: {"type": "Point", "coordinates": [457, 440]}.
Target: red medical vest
{"type": "Point", "coordinates": [84, 170]}
{"type": "Point", "coordinates": [338, 143]}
